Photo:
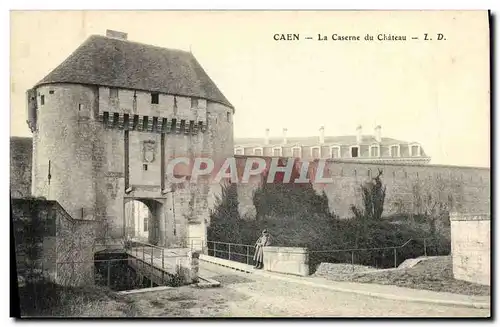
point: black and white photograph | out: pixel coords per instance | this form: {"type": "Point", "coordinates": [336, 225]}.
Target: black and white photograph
{"type": "Point", "coordinates": [250, 164]}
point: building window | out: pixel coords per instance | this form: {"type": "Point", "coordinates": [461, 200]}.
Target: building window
{"type": "Point", "coordinates": [228, 116]}
{"type": "Point", "coordinates": [145, 167]}
{"type": "Point", "coordinates": [194, 103]}
{"type": "Point", "coordinates": [80, 107]}
{"type": "Point", "coordinates": [354, 152]}
{"type": "Point", "coordinates": [394, 151]}
{"type": "Point", "coordinates": [257, 151]}
{"type": "Point", "coordinates": [316, 152]}
{"type": "Point", "coordinates": [374, 151]}
{"type": "Point", "coordinates": [113, 93]}
{"type": "Point", "coordinates": [335, 152]}
{"type": "Point", "coordinates": [415, 151]}
{"type": "Point", "coordinates": [239, 151]}
{"type": "Point", "coordinates": [146, 227]}
{"type": "Point", "coordinates": [297, 152]}
{"type": "Point", "coordinates": [51, 92]}
{"type": "Point", "coordinates": [42, 100]}
{"type": "Point", "coordinates": [155, 98]}
{"type": "Point", "coordinates": [277, 152]}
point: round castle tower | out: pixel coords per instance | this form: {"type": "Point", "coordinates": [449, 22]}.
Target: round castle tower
{"type": "Point", "coordinates": [107, 121]}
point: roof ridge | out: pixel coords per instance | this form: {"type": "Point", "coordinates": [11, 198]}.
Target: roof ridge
{"type": "Point", "coordinates": [139, 43]}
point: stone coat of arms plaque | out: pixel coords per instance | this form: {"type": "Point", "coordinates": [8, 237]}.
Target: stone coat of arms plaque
{"type": "Point", "coordinates": [149, 150]}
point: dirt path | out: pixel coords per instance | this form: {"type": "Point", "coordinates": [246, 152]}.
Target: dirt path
{"type": "Point", "coordinates": [248, 295]}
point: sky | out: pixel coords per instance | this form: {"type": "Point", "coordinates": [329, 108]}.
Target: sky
{"type": "Point", "coordinates": [432, 92]}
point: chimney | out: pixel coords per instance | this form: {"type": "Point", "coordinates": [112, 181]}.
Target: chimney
{"type": "Point", "coordinates": [266, 140]}
{"type": "Point", "coordinates": [116, 34]}
{"type": "Point", "coordinates": [359, 134]}
{"type": "Point", "coordinates": [284, 135]}
{"type": "Point", "coordinates": [322, 135]}
{"type": "Point", "coordinates": [378, 133]}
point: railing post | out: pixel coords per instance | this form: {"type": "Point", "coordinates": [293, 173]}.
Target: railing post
{"type": "Point", "coordinates": [214, 249]}
{"type": "Point", "coordinates": [352, 260]}
{"type": "Point", "coordinates": [152, 255]}
{"type": "Point", "coordinates": [425, 247]}
{"type": "Point", "coordinates": [395, 258]}
{"type": "Point", "coordinates": [229, 251]}
{"type": "Point", "coordinates": [162, 258]}
{"type": "Point", "coordinates": [143, 254]}
{"type": "Point", "coordinates": [248, 255]}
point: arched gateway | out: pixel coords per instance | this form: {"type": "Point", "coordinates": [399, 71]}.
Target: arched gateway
{"type": "Point", "coordinates": [107, 121]}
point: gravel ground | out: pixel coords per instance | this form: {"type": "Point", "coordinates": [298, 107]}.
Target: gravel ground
{"type": "Point", "coordinates": [248, 295]}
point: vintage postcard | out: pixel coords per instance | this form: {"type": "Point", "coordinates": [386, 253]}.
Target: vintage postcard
{"type": "Point", "coordinates": [250, 163]}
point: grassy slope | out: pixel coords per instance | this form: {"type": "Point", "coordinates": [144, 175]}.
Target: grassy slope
{"type": "Point", "coordinates": [435, 274]}
{"type": "Point", "coordinates": [50, 300]}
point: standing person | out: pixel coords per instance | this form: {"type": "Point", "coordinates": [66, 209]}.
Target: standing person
{"type": "Point", "coordinates": [264, 240]}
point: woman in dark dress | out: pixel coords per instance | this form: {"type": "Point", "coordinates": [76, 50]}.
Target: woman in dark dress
{"type": "Point", "coordinates": [264, 240]}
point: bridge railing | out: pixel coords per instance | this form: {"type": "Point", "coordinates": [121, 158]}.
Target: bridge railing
{"type": "Point", "coordinates": [140, 249]}
{"type": "Point", "coordinates": [231, 251]}
{"type": "Point", "coordinates": [378, 257]}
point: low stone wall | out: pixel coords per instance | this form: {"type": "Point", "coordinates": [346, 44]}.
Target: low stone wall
{"type": "Point", "coordinates": [49, 242]}
{"type": "Point", "coordinates": [287, 260]}
{"type": "Point", "coordinates": [470, 247]}
{"type": "Point", "coordinates": [75, 240]}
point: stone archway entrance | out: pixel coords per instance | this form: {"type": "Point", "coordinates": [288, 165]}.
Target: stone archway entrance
{"type": "Point", "coordinates": [145, 221]}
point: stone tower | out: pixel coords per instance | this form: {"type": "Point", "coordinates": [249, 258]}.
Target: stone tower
{"type": "Point", "coordinates": [106, 122]}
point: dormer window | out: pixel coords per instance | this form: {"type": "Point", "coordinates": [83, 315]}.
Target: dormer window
{"type": "Point", "coordinates": [335, 152]}
{"type": "Point", "coordinates": [257, 151]}
{"type": "Point", "coordinates": [375, 150]}
{"type": "Point", "coordinates": [239, 151]}
{"type": "Point", "coordinates": [394, 149]}
{"type": "Point", "coordinates": [354, 151]}
{"type": "Point", "coordinates": [155, 98]}
{"type": "Point", "coordinates": [297, 152]}
{"type": "Point", "coordinates": [277, 152]}
{"type": "Point", "coordinates": [315, 152]}
{"type": "Point", "coordinates": [194, 103]}
{"type": "Point", "coordinates": [415, 150]}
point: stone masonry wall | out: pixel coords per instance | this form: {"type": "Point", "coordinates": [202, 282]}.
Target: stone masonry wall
{"type": "Point", "coordinates": [48, 240]}
{"type": "Point", "coordinates": [75, 249]}
{"type": "Point", "coordinates": [20, 166]}
{"type": "Point", "coordinates": [471, 247]}
{"type": "Point", "coordinates": [464, 189]}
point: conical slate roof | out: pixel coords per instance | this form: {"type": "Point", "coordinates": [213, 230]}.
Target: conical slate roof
{"type": "Point", "coordinates": [124, 64]}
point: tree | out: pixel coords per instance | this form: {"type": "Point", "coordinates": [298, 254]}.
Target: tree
{"type": "Point", "coordinates": [373, 193]}
{"type": "Point", "coordinates": [433, 202]}
{"type": "Point", "coordinates": [225, 217]}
